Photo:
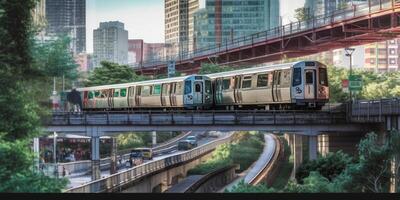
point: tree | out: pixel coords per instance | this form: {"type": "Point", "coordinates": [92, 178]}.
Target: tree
{"type": "Point", "coordinates": [112, 73]}
{"type": "Point", "coordinates": [329, 166]}
{"type": "Point", "coordinates": [19, 121]}
{"type": "Point", "coordinates": [302, 14]}
{"type": "Point", "coordinates": [207, 68]}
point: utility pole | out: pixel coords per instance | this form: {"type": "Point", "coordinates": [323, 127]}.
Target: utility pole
{"type": "Point", "coordinates": [349, 53]}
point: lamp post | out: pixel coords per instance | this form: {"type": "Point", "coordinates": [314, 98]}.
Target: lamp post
{"type": "Point", "coordinates": [349, 53]}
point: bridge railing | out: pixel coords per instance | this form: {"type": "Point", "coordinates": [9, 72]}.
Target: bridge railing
{"type": "Point", "coordinates": [363, 9]}
{"type": "Point", "coordinates": [374, 110]}
{"type": "Point", "coordinates": [208, 117]}
{"type": "Point", "coordinates": [120, 179]}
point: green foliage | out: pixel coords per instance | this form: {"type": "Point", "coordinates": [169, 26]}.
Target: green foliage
{"type": "Point", "coordinates": [112, 73]}
{"type": "Point", "coordinates": [131, 140]}
{"type": "Point", "coordinates": [245, 152]}
{"type": "Point", "coordinates": [242, 187]}
{"type": "Point", "coordinates": [329, 166]}
{"type": "Point", "coordinates": [53, 58]}
{"type": "Point", "coordinates": [314, 183]}
{"type": "Point", "coordinates": [285, 169]}
{"type": "Point", "coordinates": [301, 14]}
{"type": "Point", "coordinates": [207, 68]}
{"type": "Point", "coordinates": [17, 173]}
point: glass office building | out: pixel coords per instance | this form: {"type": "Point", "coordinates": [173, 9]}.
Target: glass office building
{"type": "Point", "coordinates": [224, 20]}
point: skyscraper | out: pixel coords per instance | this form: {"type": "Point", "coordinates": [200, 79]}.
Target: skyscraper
{"type": "Point", "coordinates": [327, 7]}
{"type": "Point", "coordinates": [110, 43]}
{"type": "Point", "coordinates": [68, 17]}
{"type": "Point", "coordinates": [179, 25]}
{"type": "Point", "coordinates": [223, 20]}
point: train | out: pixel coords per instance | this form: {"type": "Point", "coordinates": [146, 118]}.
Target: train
{"type": "Point", "coordinates": [297, 85]}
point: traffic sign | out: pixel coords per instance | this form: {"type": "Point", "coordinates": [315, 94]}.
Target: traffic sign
{"type": "Point", "coordinates": [355, 83]}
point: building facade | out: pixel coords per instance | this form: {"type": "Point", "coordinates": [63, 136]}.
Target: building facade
{"type": "Point", "coordinates": [327, 7]}
{"type": "Point", "coordinates": [179, 25]}
{"type": "Point", "coordinates": [224, 20]}
{"type": "Point", "coordinates": [110, 43]}
{"type": "Point", "coordinates": [382, 56]}
{"type": "Point", "coordinates": [68, 17]}
{"type": "Point", "coordinates": [135, 51]}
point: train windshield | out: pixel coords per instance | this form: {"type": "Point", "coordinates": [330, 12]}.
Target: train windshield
{"type": "Point", "coordinates": [297, 77]}
{"type": "Point", "coordinates": [188, 87]}
{"type": "Point", "coordinates": [208, 86]}
{"type": "Point", "coordinates": [323, 77]}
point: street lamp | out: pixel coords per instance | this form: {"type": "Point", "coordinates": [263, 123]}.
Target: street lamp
{"type": "Point", "coordinates": [349, 53]}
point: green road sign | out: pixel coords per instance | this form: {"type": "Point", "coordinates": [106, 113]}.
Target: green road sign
{"type": "Point", "coordinates": [355, 83]}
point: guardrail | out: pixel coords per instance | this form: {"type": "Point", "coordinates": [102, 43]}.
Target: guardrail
{"type": "Point", "coordinates": [122, 178]}
{"type": "Point", "coordinates": [375, 110]}
{"type": "Point", "coordinates": [337, 16]}
{"type": "Point", "coordinates": [175, 117]}
{"type": "Point", "coordinates": [86, 165]}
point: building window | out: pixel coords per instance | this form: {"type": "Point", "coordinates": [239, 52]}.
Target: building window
{"type": "Point", "coordinates": [392, 52]}
{"type": "Point", "coordinates": [392, 61]}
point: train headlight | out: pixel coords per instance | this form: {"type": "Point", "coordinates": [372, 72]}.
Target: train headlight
{"type": "Point", "coordinates": [207, 97]}
{"type": "Point", "coordinates": [190, 97]}
{"type": "Point", "coordinates": [298, 90]}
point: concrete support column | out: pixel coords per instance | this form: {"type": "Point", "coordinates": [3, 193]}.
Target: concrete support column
{"type": "Point", "coordinates": [154, 137]}
{"type": "Point", "coordinates": [36, 152]}
{"type": "Point", "coordinates": [95, 140]}
{"type": "Point", "coordinates": [313, 147]}
{"type": "Point", "coordinates": [394, 179]}
{"type": "Point", "coordinates": [297, 153]}
{"type": "Point", "coordinates": [113, 160]}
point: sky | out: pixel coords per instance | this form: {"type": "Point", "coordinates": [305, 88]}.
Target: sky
{"type": "Point", "coordinates": [144, 19]}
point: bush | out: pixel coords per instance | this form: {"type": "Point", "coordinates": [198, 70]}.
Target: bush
{"type": "Point", "coordinates": [242, 187]}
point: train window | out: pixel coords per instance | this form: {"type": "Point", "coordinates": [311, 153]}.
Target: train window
{"type": "Point", "coordinates": [97, 94]}
{"type": "Point", "coordinates": [323, 77]}
{"type": "Point", "coordinates": [309, 78]}
{"type": "Point", "coordinates": [198, 87]}
{"type": "Point", "coordinates": [178, 89]}
{"type": "Point", "coordinates": [208, 86]}
{"type": "Point", "coordinates": [226, 84]}
{"type": "Point", "coordinates": [246, 82]}
{"type": "Point", "coordinates": [297, 77]}
{"type": "Point", "coordinates": [91, 95]}
{"type": "Point", "coordinates": [146, 91]}
{"type": "Point", "coordinates": [123, 92]}
{"type": "Point", "coordinates": [131, 91]}
{"type": "Point", "coordinates": [157, 90]}
{"type": "Point", "coordinates": [116, 94]}
{"type": "Point", "coordinates": [262, 80]}
{"type": "Point", "coordinates": [286, 78]}
{"type": "Point", "coordinates": [188, 87]}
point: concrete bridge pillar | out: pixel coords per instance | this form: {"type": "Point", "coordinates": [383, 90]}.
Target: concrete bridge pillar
{"type": "Point", "coordinates": [154, 138]}
{"type": "Point", "coordinates": [313, 147]}
{"type": "Point", "coordinates": [113, 160]}
{"type": "Point", "coordinates": [297, 153]}
{"type": "Point", "coordinates": [95, 140]}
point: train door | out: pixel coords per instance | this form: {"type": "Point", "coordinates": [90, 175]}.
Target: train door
{"type": "Point", "coordinates": [85, 100]}
{"type": "Point", "coordinates": [165, 95]}
{"type": "Point", "coordinates": [237, 91]}
{"type": "Point", "coordinates": [198, 92]}
{"type": "Point", "coordinates": [310, 85]}
{"type": "Point", "coordinates": [137, 96]}
{"type": "Point", "coordinates": [172, 92]}
{"type": "Point", "coordinates": [110, 98]}
{"type": "Point", "coordinates": [218, 91]}
{"type": "Point", "coordinates": [131, 97]}
{"type": "Point", "coordinates": [276, 93]}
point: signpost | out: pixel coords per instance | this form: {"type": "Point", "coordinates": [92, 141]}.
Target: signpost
{"type": "Point", "coordinates": [345, 85]}
{"type": "Point", "coordinates": [171, 68]}
{"type": "Point", "coordinates": [355, 83]}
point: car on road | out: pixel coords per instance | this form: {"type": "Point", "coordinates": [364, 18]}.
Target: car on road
{"type": "Point", "coordinates": [135, 158]}
{"type": "Point", "coordinates": [147, 153]}
{"type": "Point", "coordinates": [192, 140]}
{"type": "Point", "coordinates": [214, 134]}
{"type": "Point", "coordinates": [185, 145]}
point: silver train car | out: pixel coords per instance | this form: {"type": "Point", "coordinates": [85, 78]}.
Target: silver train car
{"type": "Point", "coordinates": [279, 87]}
{"type": "Point", "coordinates": [190, 92]}
{"type": "Point", "coordinates": [299, 85]}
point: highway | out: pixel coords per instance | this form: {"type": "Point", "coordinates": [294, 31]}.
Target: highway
{"type": "Point", "coordinates": [79, 179]}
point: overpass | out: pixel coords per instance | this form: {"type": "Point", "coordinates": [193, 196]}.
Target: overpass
{"type": "Point", "coordinates": [374, 21]}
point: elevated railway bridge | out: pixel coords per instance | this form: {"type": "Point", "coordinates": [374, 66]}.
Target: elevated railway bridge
{"type": "Point", "coordinates": [373, 21]}
{"type": "Point", "coordinates": [364, 116]}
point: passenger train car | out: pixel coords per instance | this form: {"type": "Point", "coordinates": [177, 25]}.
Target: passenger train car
{"type": "Point", "coordinates": [286, 86]}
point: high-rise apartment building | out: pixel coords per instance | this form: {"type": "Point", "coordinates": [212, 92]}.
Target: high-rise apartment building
{"type": "Point", "coordinates": [382, 56]}
{"type": "Point", "coordinates": [68, 17]}
{"type": "Point", "coordinates": [139, 51]}
{"type": "Point", "coordinates": [110, 43]}
{"type": "Point", "coordinates": [224, 20]}
{"type": "Point", "coordinates": [327, 7]}
{"type": "Point", "coordinates": [179, 25]}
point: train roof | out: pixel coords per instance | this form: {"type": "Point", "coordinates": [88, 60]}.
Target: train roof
{"type": "Point", "coordinates": [265, 68]}
{"type": "Point", "coordinates": [126, 85]}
